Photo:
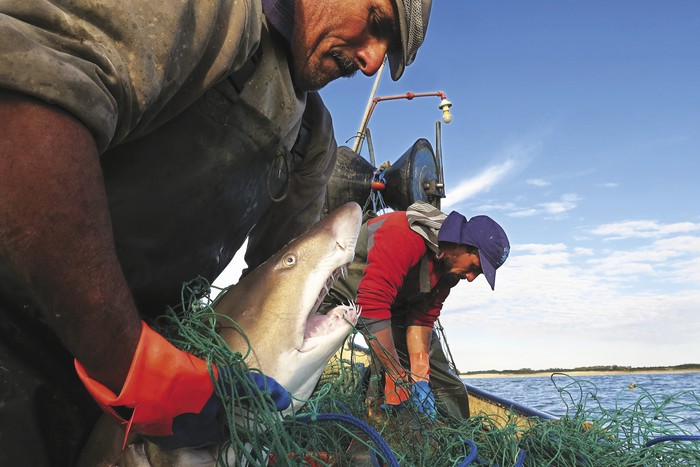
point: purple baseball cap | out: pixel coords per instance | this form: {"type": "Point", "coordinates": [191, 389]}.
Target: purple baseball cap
{"type": "Point", "coordinates": [481, 232]}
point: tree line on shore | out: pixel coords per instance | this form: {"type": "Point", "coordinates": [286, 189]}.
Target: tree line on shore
{"type": "Point", "coordinates": [595, 368]}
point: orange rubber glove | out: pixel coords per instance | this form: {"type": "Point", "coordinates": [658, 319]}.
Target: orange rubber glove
{"type": "Point", "coordinates": [396, 385]}
{"type": "Point", "coordinates": [396, 389]}
{"type": "Point", "coordinates": [169, 396]}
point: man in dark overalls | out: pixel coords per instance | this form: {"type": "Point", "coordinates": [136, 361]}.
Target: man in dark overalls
{"type": "Point", "coordinates": [140, 144]}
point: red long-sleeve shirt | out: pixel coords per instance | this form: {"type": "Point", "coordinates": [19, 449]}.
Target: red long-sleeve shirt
{"type": "Point", "coordinates": [391, 283]}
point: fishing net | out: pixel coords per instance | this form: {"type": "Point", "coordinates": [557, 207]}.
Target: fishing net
{"type": "Point", "coordinates": [338, 427]}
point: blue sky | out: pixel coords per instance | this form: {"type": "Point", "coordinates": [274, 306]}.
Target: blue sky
{"type": "Point", "coordinates": [577, 127]}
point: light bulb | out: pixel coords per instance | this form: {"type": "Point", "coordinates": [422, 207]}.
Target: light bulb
{"type": "Point", "coordinates": [446, 116]}
{"type": "Point", "coordinates": [445, 107]}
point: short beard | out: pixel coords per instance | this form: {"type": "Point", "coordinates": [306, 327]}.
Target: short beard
{"type": "Point", "coordinates": [306, 83]}
{"type": "Point", "coordinates": [308, 77]}
{"type": "Point", "coordinates": [447, 261]}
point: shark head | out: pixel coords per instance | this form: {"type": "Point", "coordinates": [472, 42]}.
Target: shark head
{"type": "Point", "coordinates": [276, 308]}
{"type": "Point", "coordinates": [276, 305]}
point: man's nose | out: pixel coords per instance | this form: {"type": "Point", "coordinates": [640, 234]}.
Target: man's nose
{"type": "Point", "coordinates": [472, 275]}
{"type": "Point", "coordinates": [371, 55]}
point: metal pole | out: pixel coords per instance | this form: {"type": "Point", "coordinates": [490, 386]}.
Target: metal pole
{"type": "Point", "coordinates": [438, 155]}
{"type": "Point", "coordinates": [363, 124]}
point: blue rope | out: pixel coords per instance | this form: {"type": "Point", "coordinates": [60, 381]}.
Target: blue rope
{"type": "Point", "coordinates": [374, 459]}
{"type": "Point", "coordinates": [472, 453]}
{"type": "Point", "coordinates": [520, 460]}
{"type": "Point", "coordinates": [376, 196]}
{"type": "Point", "coordinates": [388, 454]}
{"type": "Point", "coordinates": [661, 439]}
{"type": "Point", "coordinates": [364, 427]}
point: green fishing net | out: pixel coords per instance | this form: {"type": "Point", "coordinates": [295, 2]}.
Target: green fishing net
{"type": "Point", "coordinates": [337, 427]}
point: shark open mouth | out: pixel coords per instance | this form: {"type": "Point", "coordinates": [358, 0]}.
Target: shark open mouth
{"type": "Point", "coordinates": [319, 325]}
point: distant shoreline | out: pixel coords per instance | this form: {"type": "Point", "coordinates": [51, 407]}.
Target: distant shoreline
{"type": "Point", "coordinates": [640, 371]}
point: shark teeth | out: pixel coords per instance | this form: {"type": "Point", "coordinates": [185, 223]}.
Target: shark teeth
{"type": "Point", "coordinates": [322, 324]}
{"type": "Point", "coordinates": [342, 271]}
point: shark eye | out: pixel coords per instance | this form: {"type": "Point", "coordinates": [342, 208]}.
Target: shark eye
{"type": "Point", "coordinates": [289, 260]}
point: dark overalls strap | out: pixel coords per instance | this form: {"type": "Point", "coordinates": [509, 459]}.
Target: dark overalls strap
{"type": "Point", "coordinates": [304, 137]}
{"type": "Point", "coordinates": [238, 80]}
{"type": "Point", "coordinates": [241, 76]}
{"type": "Point", "coordinates": [424, 277]}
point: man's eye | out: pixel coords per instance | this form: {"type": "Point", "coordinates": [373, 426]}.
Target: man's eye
{"type": "Point", "coordinates": [382, 27]}
{"type": "Point", "coordinates": [375, 25]}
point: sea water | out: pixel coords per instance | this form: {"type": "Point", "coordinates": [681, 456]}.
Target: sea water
{"type": "Point", "coordinates": [559, 394]}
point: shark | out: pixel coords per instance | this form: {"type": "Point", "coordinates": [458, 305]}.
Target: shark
{"type": "Point", "coordinates": [276, 306]}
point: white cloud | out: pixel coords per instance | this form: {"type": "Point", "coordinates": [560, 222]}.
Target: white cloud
{"type": "Point", "coordinates": [552, 209]}
{"type": "Point", "coordinates": [642, 229]}
{"type": "Point", "coordinates": [535, 255]}
{"type": "Point", "coordinates": [610, 185]}
{"type": "Point", "coordinates": [683, 244]}
{"type": "Point", "coordinates": [685, 271]}
{"type": "Point", "coordinates": [665, 261]}
{"type": "Point", "coordinates": [524, 213]}
{"type": "Point", "coordinates": [496, 207]}
{"type": "Point", "coordinates": [515, 156]}
{"type": "Point", "coordinates": [560, 306]}
{"type": "Point", "coordinates": [662, 262]}
{"type": "Point", "coordinates": [539, 248]}
{"type": "Point", "coordinates": [482, 182]}
{"type": "Point", "coordinates": [566, 203]}
{"type": "Point", "coordinates": [537, 182]}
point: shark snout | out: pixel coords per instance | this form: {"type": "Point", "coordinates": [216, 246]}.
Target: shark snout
{"type": "Point", "coordinates": [346, 227]}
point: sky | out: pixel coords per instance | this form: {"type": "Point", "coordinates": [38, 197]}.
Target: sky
{"type": "Point", "coordinates": [576, 126]}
